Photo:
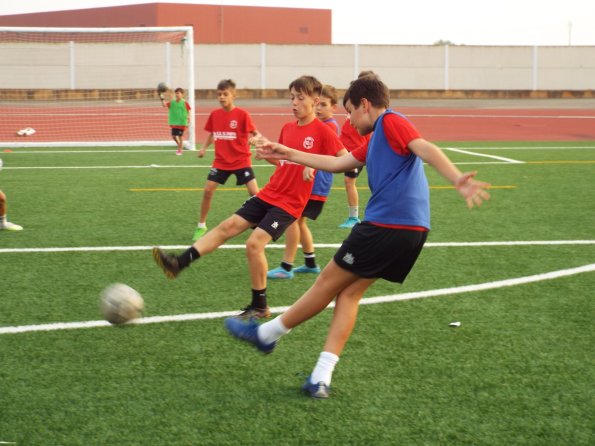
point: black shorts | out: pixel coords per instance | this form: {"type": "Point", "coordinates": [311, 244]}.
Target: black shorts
{"type": "Point", "coordinates": [376, 252]}
{"type": "Point", "coordinates": [265, 216]}
{"type": "Point", "coordinates": [177, 132]}
{"type": "Point", "coordinates": [313, 209]}
{"type": "Point", "coordinates": [220, 176]}
{"type": "Point", "coordinates": [354, 173]}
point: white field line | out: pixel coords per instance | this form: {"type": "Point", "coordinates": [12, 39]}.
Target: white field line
{"type": "Point", "coordinates": [117, 151]}
{"type": "Point", "coordinates": [280, 246]}
{"type": "Point", "coordinates": [366, 301]}
{"type": "Point", "coordinates": [147, 166]}
{"type": "Point", "coordinates": [500, 158]}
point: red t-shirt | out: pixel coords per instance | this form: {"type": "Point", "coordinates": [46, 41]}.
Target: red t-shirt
{"type": "Point", "coordinates": [231, 130]}
{"type": "Point", "coordinates": [399, 133]}
{"type": "Point", "coordinates": [350, 138]}
{"type": "Point", "coordinates": [286, 188]}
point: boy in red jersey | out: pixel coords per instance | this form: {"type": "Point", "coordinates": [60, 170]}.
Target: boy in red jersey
{"type": "Point", "coordinates": [299, 232]}
{"type": "Point", "coordinates": [386, 244]}
{"type": "Point", "coordinates": [178, 111]}
{"type": "Point", "coordinates": [229, 128]}
{"type": "Point", "coordinates": [276, 206]}
{"type": "Point", "coordinates": [353, 140]}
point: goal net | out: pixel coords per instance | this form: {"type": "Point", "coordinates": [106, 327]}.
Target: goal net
{"type": "Point", "coordinates": [92, 86]}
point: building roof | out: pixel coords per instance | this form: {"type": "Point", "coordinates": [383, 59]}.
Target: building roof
{"type": "Point", "coordinates": [212, 23]}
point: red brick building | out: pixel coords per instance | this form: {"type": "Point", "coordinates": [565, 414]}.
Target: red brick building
{"type": "Point", "coordinates": [212, 23]}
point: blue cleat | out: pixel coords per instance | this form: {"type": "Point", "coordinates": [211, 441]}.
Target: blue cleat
{"type": "Point", "coordinates": [280, 273]}
{"type": "Point", "coordinates": [319, 391]}
{"type": "Point", "coordinates": [306, 269]}
{"type": "Point", "coordinates": [248, 331]}
{"type": "Point", "coordinates": [349, 223]}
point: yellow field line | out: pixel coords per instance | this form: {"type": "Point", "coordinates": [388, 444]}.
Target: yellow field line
{"type": "Point", "coordinates": [198, 189]}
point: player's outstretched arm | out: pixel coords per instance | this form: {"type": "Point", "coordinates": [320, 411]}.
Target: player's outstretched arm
{"type": "Point", "coordinates": [474, 192]}
{"type": "Point", "coordinates": [274, 151]}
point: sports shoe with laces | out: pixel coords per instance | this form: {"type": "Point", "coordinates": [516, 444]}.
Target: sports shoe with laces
{"type": "Point", "coordinates": [167, 262]}
{"type": "Point", "coordinates": [8, 226]}
{"type": "Point", "coordinates": [306, 269]}
{"type": "Point", "coordinates": [179, 152]}
{"type": "Point", "coordinates": [349, 222]}
{"type": "Point", "coordinates": [280, 273]}
{"type": "Point", "coordinates": [198, 233]}
{"type": "Point", "coordinates": [251, 312]}
{"type": "Point", "coordinates": [248, 331]}
{"type": "Point", "coordinates": [319, 391]}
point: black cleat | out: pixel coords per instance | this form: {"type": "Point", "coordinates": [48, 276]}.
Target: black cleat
{"type": "Point", "coordinates": [167, 262]}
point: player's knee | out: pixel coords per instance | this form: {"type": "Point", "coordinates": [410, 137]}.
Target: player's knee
{"type": "Point", "coordinates": [2, 197]}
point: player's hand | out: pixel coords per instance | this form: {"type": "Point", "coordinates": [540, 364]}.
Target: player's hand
{"type": "Point", "coordinates": [258, 141]}
{"type": "Point", "coordinates": [201, 152]}
{"type": "Point", "coordinates": [271, 151]}
{"type": "Point", "coordinates": [474, 192]}
{"type": "Point", "coordinates": [308, 173]}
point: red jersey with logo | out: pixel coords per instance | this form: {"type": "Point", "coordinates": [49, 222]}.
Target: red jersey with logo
{"type": "Point", "coordinates": [231, 130]}
{"type": "Point", "coordinates": [350, 138]}
{"type": "Point", "coordinates": [287, 188]}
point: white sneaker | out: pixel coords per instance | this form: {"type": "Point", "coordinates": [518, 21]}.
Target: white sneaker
{"type": "Point", "coordinates": [10, 226]}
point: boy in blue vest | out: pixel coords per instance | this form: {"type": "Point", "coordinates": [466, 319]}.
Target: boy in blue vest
{"type": "Point", "coordinates": [387, 242]}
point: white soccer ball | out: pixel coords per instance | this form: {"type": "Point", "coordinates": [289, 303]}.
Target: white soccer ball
{"type": "Point", "coordinates": [121, 303]}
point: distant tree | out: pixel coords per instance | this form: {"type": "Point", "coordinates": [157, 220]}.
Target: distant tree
{"type": "Point", "coordinates": [444, 42]}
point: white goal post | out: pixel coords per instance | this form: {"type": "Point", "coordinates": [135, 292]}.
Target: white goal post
{"type": "Point", "coordinates": [64, 87]}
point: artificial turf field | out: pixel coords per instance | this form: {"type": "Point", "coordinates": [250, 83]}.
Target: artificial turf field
{"type": "Point", "coordinates": [521, 272]}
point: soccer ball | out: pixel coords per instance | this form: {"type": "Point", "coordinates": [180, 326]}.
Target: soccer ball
{"type": "Point", "coordinates": [121, 303]}
{"type": "Point", "coordinates": [162, 87]}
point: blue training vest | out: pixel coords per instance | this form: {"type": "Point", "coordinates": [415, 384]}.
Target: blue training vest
{"type": "Point", "coordinates": [400, 192]}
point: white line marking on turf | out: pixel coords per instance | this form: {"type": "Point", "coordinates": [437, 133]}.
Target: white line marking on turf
{"type": "Point", "coordinates": [366, 301]}
{"type": "Point", "coordinates": [508, 160]}
{"type": "Point", "coordinates": [278, 246]}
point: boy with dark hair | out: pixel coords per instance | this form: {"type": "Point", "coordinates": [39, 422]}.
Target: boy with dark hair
{"type": "Point", "coordinates": [229, 128]}
{"type": "Point", "coordinates": [386, 244]}
{"type": "Point", "coordinates": [276, 206]}
{"type": "Point", "coordinates": [299, 232]}
{"type": "Point", "coordinates": [178, 114]}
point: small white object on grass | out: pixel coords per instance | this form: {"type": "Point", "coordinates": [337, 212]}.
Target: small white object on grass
{"type": "Point", "coordinates": [454, 324]}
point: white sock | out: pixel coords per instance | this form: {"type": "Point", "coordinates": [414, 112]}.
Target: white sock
{"type": "Point", "coordinates": [271, 331]}
{"type": "Point", "coordinates": [354, 211]}
{"type": "Point", "coordinates": [323, 371]}
{"type": "Point", "coordinates": [201, 225]}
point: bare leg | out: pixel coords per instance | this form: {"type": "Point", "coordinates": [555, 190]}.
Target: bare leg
{"type": "Point", "coordinates": [292, 240]}
{"type": "Point", "coordinates": [228, 228]}
{"type": "Point", "coordinates": [331, 281]}
{"type": "Point", "coordinates": [257, 261]}
{"type": "Point", "coordinates": [207, 197]}
{"type": "Point", "coordinates": [352, 195]}
{"type": "Point", "coordinates": [252, 187]}
{"type": "Point", "coordinates": [3, 206]}
{"type": "Point", "coordinates": [306, 239]}
{"type": "Point", "coordinates": [345, 315]}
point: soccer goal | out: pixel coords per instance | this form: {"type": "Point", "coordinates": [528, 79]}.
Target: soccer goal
{"type": "Point", "coordinates": [92, 86]}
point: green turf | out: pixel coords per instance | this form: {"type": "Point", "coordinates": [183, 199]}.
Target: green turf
{"type": "Point", "coordinates": [519, 370]}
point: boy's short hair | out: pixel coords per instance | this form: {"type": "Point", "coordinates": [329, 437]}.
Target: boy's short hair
{"type": "Point", "coordinates": [369, 87]}
{"type": "Point", "coordinates": [226, 84]}
{"type": "Point", "coordinates": [179, 90]}
{"type": "Point", "coordinates": [328, 91]}
{"type": "Point", "coordinates": [308, 85]}
{"type": "Point", "coordinates": [365, 73]}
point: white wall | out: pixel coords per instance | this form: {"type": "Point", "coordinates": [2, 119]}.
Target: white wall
{"type": "Point", "coordinates": [142, 65]}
